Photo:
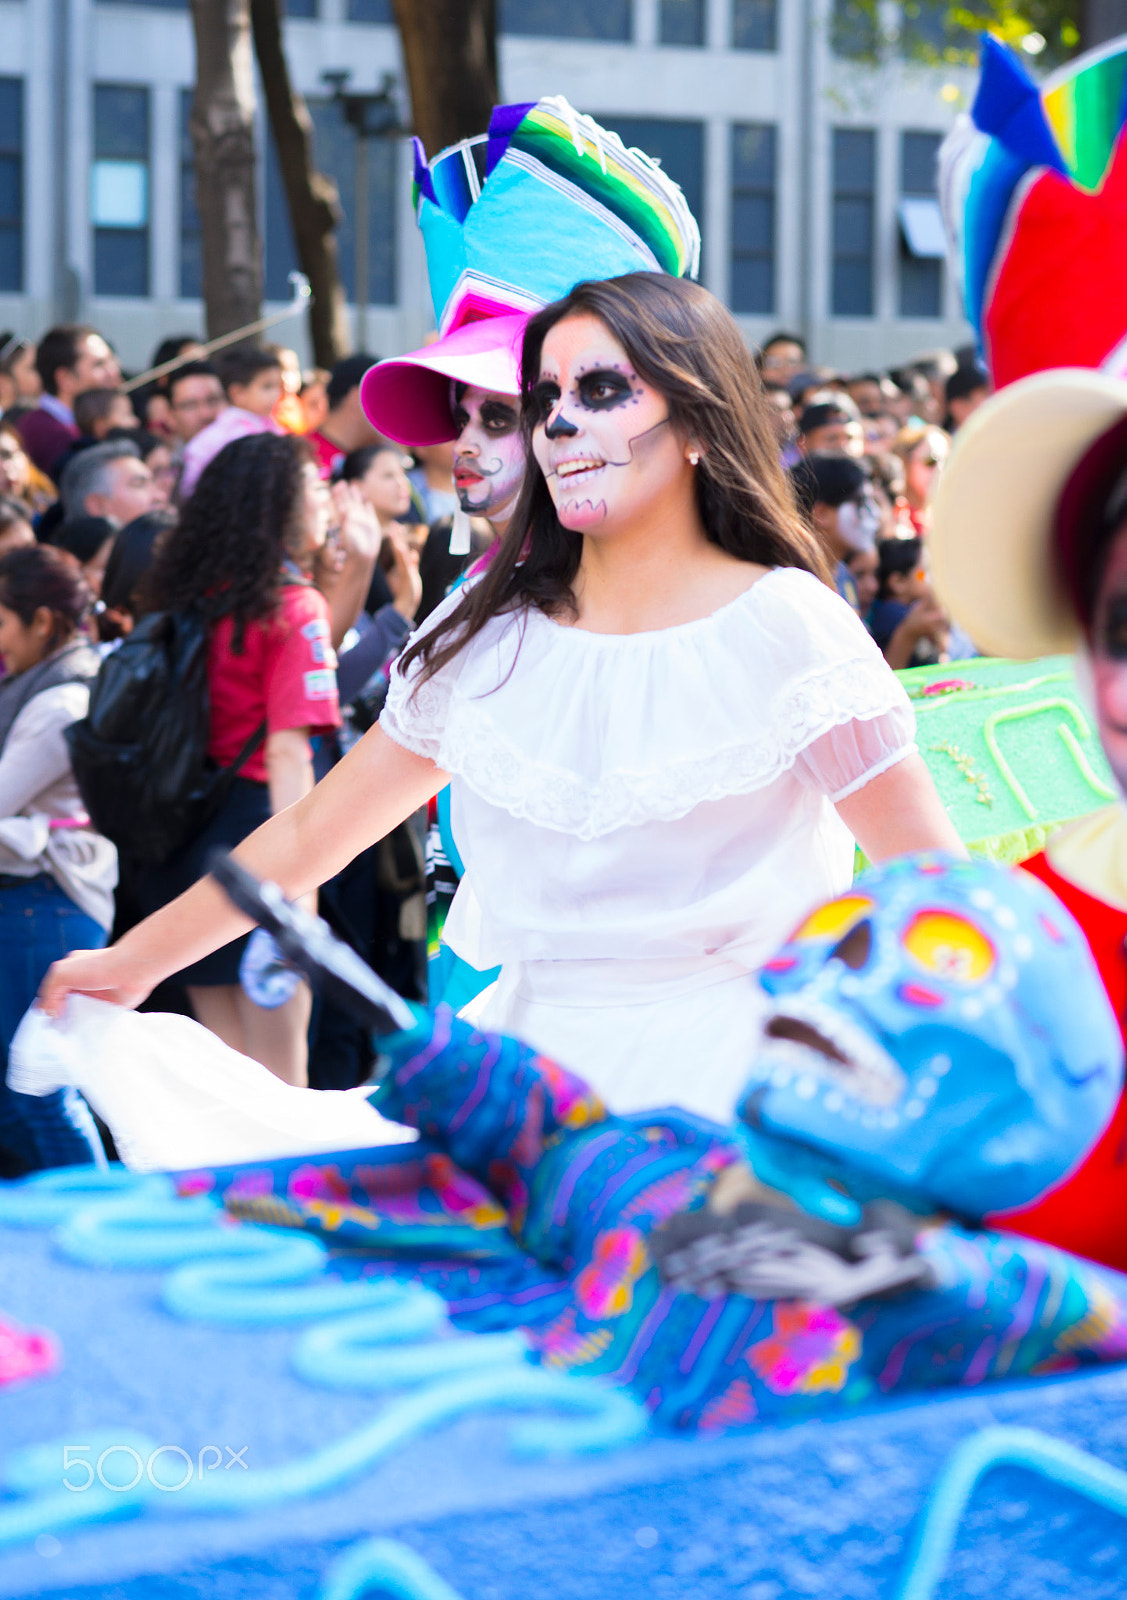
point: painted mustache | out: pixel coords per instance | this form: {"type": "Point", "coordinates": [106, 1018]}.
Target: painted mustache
{"type": "Point", "coordinates": [480, 469]}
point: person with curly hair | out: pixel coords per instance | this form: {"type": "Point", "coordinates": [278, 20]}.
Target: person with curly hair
{"type": "Point", "coordinates": [242, 556]}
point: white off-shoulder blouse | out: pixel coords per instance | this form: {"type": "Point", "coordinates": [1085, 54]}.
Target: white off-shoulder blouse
{"type": "Point", "coordinates": [650, 812]}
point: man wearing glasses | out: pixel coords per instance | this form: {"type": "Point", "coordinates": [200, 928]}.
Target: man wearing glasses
{"type": "Point", "coordinates": [195, 399]}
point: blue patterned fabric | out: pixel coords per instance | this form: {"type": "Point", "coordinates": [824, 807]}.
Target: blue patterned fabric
{"type": "Point", "coordinates": [519, 1162]}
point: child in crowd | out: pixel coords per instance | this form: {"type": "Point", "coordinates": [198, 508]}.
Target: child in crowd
{"type": "Point", "coordinates": [864, 566]}
{"type": "Point", "coordinates": [907, 621]}
{"type": "Point", "coordinates": [97, 412]}
{"type": "Point", "coordinates": [252, 379]}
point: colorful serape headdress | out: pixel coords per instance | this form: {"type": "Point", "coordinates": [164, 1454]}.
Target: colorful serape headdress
{"type": "Point", "coordinates": [511, 221]}
{"type": "Point", "coordinates": [1034, 188]}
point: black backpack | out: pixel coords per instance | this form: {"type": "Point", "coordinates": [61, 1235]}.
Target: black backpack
{"type": "Point", "coordinates": [140, 753]}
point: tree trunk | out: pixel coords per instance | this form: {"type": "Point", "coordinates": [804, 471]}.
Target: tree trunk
{"type": "Point", "coordinates": [314, 204]}
{"type": "Point", "coordinates": [450, 52]}
{"type": "Point", "coordinates": [223, 137]}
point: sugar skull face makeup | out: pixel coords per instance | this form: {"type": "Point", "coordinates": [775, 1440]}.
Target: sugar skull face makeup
{"type": "Point", "coordinates": [602, 436]}
{"type": "Point", "coordinates": [489, 458]}
{"type": "Point", "coordinates": [1108, 645]}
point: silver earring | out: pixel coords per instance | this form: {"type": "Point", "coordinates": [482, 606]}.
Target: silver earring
{"type": "Point", "coordinates": [694, 457]}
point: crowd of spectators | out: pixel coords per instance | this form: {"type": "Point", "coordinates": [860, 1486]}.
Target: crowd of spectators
{"type": "Point", "coordinates": [865, 452]}
{"type": "Point", "coordinates": [263, 496]}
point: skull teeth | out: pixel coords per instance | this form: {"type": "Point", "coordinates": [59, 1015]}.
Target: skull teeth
{"type": "Point", "coordinates": [862, 1067]}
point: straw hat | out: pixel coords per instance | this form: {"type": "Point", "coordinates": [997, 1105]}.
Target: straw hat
{"type": "Point", "coordinates": [1021, 502]}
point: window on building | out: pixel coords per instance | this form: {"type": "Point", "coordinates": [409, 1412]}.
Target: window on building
{"type": "Point", "coordinates": [191, 257]}
{"type": "Point", "coordinates": [574, 19]}
{"type": "Point", "coordinates": [753, 25]}
{"type": "Point", "coordinates": [370, 11]}
{"type": "Point", "coordinates": [854, 169]}
{"type": "Point", "coordinates": [922, 241]}
{"type": "Point", "coordinates": [681, 22]}
{"type": "Point", "coordinates": [290, 8]}
{"type": "Point", "coordinates": [679, 146]}
{"type": "Point", "coordinates": [753, 217]}
{"type": "Point", "coordinates": [11, 184]}
{"type": "Point", "coordinates": [335, 151]}
{"type": "Point", "coordinates": [119, 189]}
{"type": "Point", "coordinates": [854, 31]}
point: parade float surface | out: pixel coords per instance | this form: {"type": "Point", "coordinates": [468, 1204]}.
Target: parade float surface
{"type": "Point", "coordinates": [1011, 748]}
{"type": "Point", "coordinates": [291, 1461]}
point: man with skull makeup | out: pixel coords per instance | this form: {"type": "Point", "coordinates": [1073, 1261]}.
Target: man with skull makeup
{"type": "Point", "coordinates": [464, 387]}
{"type": "Point", "coordinates": [1029, 548]}
{"type": "Point", "coordinates": [490, 459]}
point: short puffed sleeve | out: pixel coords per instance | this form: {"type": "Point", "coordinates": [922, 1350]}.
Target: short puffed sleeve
{"type": "Point", "coordinates": [849, 756]}
{"type": "Point", "coordinates": [868, 724]}
{"type": "Point", "coordinates": [416, 708]}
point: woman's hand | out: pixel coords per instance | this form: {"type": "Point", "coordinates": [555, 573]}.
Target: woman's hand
{"type": "Point", "coordinates": [358, 527]}
{"type": "Point", "coordinates": [403, 576]}
{"type": "Point", "coordinates": [377, 785]}
{"type": "Point", "coordinates": [344, 576]}
{"type": "Point", "coordinates": [100, 974]}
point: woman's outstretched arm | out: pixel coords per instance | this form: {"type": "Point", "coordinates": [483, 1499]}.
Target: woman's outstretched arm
{"type": "Point", "coordinates": [376, 786]}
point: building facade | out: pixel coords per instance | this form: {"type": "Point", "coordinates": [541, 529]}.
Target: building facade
{"type": "Point", "coordinates": [809, 166]}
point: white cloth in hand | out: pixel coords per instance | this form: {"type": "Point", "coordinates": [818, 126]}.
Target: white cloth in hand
{"type": "Point", "coordinates": [175, 1097]}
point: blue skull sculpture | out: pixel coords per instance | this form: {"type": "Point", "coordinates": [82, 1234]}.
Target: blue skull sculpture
{"type": "Point", "coordinates": [938, 1035]}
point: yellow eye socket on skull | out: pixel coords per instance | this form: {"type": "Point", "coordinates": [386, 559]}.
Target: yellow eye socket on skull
{"type": "Point", "coordinates": [834, 920]}
{"type": "Point", "coordinates": [950, 947]}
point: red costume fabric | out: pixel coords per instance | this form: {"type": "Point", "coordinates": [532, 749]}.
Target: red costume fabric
{"type": "Point", "coordinates": [1087, 1213]}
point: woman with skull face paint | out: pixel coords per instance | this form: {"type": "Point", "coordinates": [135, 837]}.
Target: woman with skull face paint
{"type": "Point", "coordinates": [644, 529]}
{"type": "Point", "coordinates": [651, 702]}
{"type": "Point", "coordinates": [1029, 551]}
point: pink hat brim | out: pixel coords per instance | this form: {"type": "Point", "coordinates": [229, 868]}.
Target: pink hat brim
{"type": "Point", "coordinates": [407, 398]}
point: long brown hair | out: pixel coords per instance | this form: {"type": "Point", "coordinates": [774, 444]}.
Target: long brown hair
{"type": "Point", "coordinates": [683, 342]}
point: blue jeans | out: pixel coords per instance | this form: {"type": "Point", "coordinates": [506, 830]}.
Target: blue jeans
{"type": "Point", "coordinates": [38, 925]}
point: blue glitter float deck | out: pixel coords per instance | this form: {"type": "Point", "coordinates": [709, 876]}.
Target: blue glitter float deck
{"type": "Point", "coordinates": [816, 1508]}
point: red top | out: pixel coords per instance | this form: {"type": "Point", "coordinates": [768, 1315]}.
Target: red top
{"type": "Point", "coordinates": [1087, 1214]}
{"type": "Point", "coordinates": [327, 454]}
{"type": "Point", "coordinates": [285, 676]}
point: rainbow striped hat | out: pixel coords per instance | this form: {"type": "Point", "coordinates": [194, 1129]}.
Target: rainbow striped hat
{"type": "Point", "coordinates": [1034, 189]}
{"type": "Point", "coordinates": [512, 220]}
